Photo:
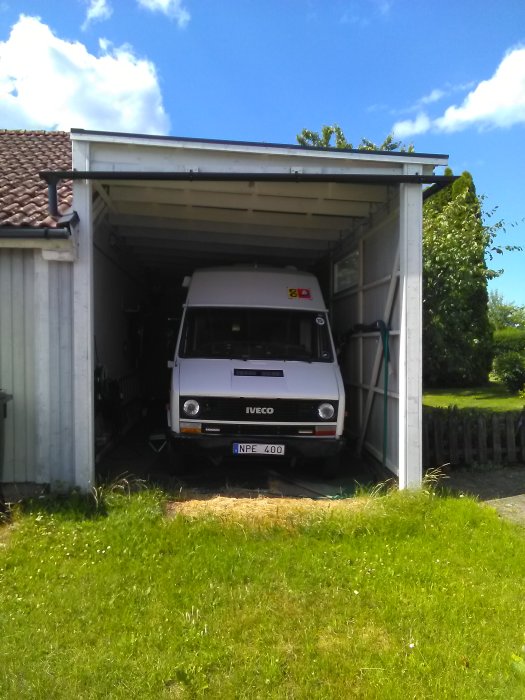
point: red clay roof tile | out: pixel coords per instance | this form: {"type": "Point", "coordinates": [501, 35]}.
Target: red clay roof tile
{"type": "Point", "coordinates": [23, 194]}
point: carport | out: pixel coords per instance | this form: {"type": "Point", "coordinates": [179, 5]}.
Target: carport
{"type": "Point", "coordinates": [152, 209]}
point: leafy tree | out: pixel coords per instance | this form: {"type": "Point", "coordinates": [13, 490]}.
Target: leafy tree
{"type": "Point", "coordinates": [457, 335]}
{"type": "Point", "coordinates": [508, 322]}
{"type": "Point", "coordinates": [504, 314]}
{"type": "Point", "coordinates": [509, 339]}
{"type": "Point", "coordinates": [324, 140]}
{"type": "Point", "coordinates": [510, 369]}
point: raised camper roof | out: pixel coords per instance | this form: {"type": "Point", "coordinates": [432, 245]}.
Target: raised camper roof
{"type": "Point", "coordinates": [256, 287]}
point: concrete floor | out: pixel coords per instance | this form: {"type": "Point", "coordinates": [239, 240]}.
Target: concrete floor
{"type": "Point", "coordinates": [139, 456]}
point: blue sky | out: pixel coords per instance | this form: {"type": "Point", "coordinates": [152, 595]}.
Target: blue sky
{"type": "Point", "coordinates": [447, 77]}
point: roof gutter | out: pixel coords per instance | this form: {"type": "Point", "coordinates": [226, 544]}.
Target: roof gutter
{"type": "Point", "coordinates": [438, 186]}
{"type": "Point", "coordinates": [27, 232]}
{"type": "Point", "coordinates": [50, 233]}
{"type": "Point", "coordinates": [54, 177]}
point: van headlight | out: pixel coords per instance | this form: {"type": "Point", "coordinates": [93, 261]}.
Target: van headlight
{"type": "Point", "coordinates": [325, 411]}
{"type": "Point", "coordinates": [191, 408]}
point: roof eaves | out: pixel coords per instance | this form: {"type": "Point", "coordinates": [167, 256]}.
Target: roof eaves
{"type": "Point", "coordinates": [86, 134]}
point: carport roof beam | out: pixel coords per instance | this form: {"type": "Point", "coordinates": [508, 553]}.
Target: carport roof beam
{"type": "Point", "coordinates": [54, 177]}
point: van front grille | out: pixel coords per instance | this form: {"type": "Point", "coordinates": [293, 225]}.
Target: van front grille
{"type": "Point", "coordinates": [257, 410]}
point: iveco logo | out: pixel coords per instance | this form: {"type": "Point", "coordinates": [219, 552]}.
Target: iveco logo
{"type": "Point", "coordinates": [268, 410]}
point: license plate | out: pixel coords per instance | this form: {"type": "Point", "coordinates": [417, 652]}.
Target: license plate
{"type": "Point", "coordinates": [249, 448]}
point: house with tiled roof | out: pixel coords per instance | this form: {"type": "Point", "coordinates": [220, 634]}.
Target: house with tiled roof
{"type": "Point", "coordinates": [98, 231]}
{"type": "Point", "coordinates": [33, 246]}
{"type": "Point", "coordinates": [23, 193]}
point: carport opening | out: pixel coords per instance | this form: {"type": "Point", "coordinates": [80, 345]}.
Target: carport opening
{"type": "Point", "coordinates": [130, 405]}
{"type": "Point", "coordinates": [148, 236]}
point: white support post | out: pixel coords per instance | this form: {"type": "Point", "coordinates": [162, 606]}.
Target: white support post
{"type": "Point", "coordinates": [83, 368]}
{"type": "Point", "coordinates": [411, 346]}
{"type": "Point", "coordinates": [360, 350]}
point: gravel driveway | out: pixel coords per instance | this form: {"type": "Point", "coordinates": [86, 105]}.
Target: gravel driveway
{"type": "Point", "coordinates": [502, 488]}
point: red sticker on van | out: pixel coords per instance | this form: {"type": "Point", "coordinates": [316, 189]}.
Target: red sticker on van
{"type": "Point", "coordinates": [299, 293]}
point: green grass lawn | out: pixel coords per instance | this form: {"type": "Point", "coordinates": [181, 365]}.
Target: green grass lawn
{"type": "Point", "coordinates": [408, 595]}
{"type": "Point", "coordinates": [493, 397]}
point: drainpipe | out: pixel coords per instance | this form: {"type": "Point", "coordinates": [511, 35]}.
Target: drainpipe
{"type": "Point", "coordinates": [52, 196]}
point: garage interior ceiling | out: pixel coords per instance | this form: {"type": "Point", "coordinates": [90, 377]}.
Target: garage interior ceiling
{"type": "Point", "coordinates": [178, 225]}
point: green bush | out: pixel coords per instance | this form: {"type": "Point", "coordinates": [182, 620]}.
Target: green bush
{"type": "Point", "coordinates": [509, 367]}
{"type": "Point", "coordinates": [509, 340]}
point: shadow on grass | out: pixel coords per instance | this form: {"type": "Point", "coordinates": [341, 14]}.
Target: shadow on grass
{"type": "Point", "coordinates": [493, 397]}
{"type": "Point", "coordinates": [76, 505]}
{"type": "Point", "coordinates": [68, 506]}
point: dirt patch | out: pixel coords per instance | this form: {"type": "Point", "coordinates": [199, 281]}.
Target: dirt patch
{"type": "Point", "coordinates": [265, 509]}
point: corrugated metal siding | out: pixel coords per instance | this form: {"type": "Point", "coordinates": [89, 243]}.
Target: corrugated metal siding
{"type": "Point", "coordinates": [61, 460]}
{"type": "Point", "coordinates": [36, 328]}
{"type": "Point", "coordinates": [17, 346]}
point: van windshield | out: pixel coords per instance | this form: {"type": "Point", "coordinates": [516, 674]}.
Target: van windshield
{"type": "Point", "coordinates": [247, 333]}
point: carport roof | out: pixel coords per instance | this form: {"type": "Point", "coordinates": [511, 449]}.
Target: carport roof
{"type": "Point", "coordinates": [174, 201]}
{"type": "Point", "coordinates": [94, 135]}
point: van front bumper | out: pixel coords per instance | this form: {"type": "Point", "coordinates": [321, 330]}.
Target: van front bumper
{"type": "Point", "coordinates": [222, 446]}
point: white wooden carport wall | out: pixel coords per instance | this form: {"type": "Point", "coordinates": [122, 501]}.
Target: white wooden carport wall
{"type": "Point", "coordinates": [389, 288]}
{"type": "Point", "coordinates": [73, 463]}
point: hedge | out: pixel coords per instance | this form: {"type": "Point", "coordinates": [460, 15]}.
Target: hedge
{"type": "Point", "coordinates": [509, 340]}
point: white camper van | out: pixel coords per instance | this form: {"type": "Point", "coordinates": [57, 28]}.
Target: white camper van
{"type": "Point", "coordinates": [255, 370]}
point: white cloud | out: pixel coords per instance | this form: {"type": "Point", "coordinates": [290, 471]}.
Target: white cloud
{"type": "Point", "coordinates": [433, 96]}
{"type": "Point", "coordinates": [171, 8]}
{"type": "Point", "coordinates": [97, 11]}
{"type": "Point", "coordinates": [498, 102]}
{"type": "Point", "coordinates": [411, 127]}
{"type": "Point", "coordinates": [60, 85]}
